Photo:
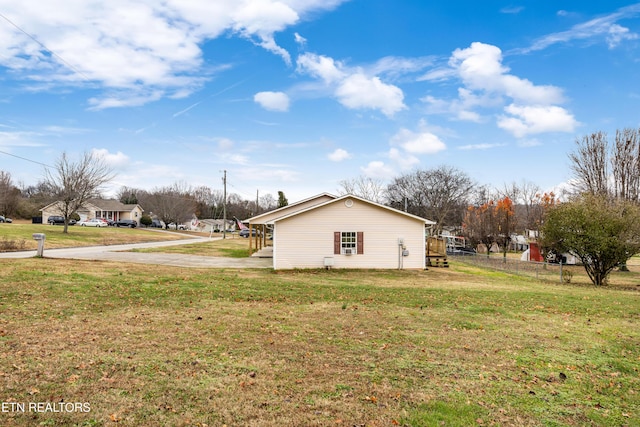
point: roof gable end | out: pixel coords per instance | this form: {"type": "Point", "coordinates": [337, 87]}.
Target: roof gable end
{"type": "Point", "coordinates": [351, 196]}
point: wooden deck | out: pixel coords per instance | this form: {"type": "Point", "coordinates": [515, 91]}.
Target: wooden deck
{"type": "Point", "coordinates": [436, 250]}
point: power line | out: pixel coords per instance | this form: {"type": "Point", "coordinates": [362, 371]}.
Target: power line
{"type": "Point", "coordinates": [24, 158]}
{"type": "Point", "coordinates": [52, 53]}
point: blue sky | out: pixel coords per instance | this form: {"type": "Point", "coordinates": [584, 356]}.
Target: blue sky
{"type": "Point", "coordinates": [297, 95]}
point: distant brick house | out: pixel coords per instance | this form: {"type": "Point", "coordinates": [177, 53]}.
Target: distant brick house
{"type": "Point", "coordinates": [99, 208]}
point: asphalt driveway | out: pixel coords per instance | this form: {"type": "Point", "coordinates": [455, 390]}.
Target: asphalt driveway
{"type": "Point", "coordinates": [117, 253]}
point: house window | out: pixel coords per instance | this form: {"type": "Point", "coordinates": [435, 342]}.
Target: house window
{"type": "Point", "coordinates": [348, 242]}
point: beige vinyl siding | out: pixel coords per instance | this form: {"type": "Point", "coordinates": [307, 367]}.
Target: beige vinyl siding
{"type": "Point", "coordinates": [304, 240]}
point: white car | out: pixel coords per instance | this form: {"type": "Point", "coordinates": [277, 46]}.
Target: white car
{"type": "Point", "coordinates": [93, 222]}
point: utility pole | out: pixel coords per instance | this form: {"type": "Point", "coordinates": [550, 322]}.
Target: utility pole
{"type": "Point", "coordinates": [224, 205]}
{"type": "Point", "coordinates": [257, 206]}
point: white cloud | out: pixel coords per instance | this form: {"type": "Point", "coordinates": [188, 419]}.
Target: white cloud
{"type": "Point", "coordinates": [488, 83]}
{"type": "Point", "coordinates": [142, 50]}
{"type": "Point", "coordinates": [235, 158]}
{"type": "Point", "coordinates": [603, 26]}
{"type": "Point", "coordinates": [618, 34]}
{"type": "Point", "coordinates": [65, 130]}
{"type": "Point", "coordinates": [406, 146]}
{"type": "Point", "coordinates": [526, 143]}
{"type": "Point", "coordinates": [361, 92]}
{"type": "Point", "coordinates": [117, 160]}
{"type": "Point", "coordinates": [418, 143]}
{"type": "Point", "coordinates": [378, 170]}
{"type": "Point", "coordinates": [133, 98]}
{"type": "Point", "coordinates": [225, 144]}
{"type": "Point", "coordinates": [462, 108]}
{"type": "Point", "coordinates": [480, 68]}
{"type": "Point", "coordinates": [301, 41]}
{"type": "Point", "coordinates": [273, 101]}
{"type": "Point", "coordinates": [20, 139]}
{"type": "Point", "coordinates": [266, 174]}
{"type": "Point", "coordinates": [403, 159]}
{"type": "Point", "coordinates": [339, 155]}
{"type": "Point", "coordinates": [396, 66]}
{"type": "Point", "coordinates": [320, 66]}
{"type": "Point", "coordinates": [512, 9]}
{"type": "Point", "coordinates": [352, 87]}
{"type": "Point", "coordinates": [480, 146]}
{"type": "Point", "coordinates": [527, 120]}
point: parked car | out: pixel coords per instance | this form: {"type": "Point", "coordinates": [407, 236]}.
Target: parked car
{"type": "Point", "coordinates": [108, 221]}
{"type": "Point", "coordinates": [156, 223]}
{"type": "Point", "coordinates": [93, 222]}
{"type": "Point", "coordinates": [172, 226]}
{"type": "Point", "coordinates": [126, 223]}
{"type": "Point", "coordinates": [59, 220]}
{"type": "Point", "coordinates": [245, 232]}
{"type": "Point", "coordinates": [3, 219]}
{"type": "Point", "coordinates": [461, 250]}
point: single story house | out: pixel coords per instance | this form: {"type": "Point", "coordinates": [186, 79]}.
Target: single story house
{"type": "Point", "coordinates": [326, 231]}
{"type": "Point", "coordinates": [99, 208]}
{"type": "Point", "coordinates": [210, 225]}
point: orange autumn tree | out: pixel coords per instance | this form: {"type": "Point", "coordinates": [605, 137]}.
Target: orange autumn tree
{"type": "Point", "coordinates": [504, 213]}
{"type": "Point", "coordinates": [544, 202]}
{"type": "Point", "coordinates": [492, 222]}
{"type": "Point", "coordinates": [479, 224]}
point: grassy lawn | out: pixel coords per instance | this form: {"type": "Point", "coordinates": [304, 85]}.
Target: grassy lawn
{"type": "Point", "coordinates": [153, 345]}
{"type": "Point", "coordinates": [19, 236]}
{"type": "Point", "coordinates": [230, 247]}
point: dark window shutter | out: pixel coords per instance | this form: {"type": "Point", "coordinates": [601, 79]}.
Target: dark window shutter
{"type": "Point", "coordinates": [360, 242]}
{"type": "Point", "coordinates": [336, 243]}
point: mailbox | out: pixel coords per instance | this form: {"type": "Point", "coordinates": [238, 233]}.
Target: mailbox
{"type": "Point", "coordinates": [39, 237]}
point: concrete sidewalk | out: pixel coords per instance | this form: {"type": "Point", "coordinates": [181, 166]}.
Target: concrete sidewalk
{"type": "Point", "coordinates": [117, 253]}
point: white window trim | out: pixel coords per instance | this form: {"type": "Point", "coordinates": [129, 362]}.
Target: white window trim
{"type": "Point", "coordinates": [348, 240]}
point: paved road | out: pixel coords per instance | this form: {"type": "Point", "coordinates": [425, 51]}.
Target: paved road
{"type": "Point", "coordinates": [118, 253]}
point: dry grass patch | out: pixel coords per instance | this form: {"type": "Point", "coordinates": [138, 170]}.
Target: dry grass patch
{"type": "Point", "coordinates": [218, 247]}
{"type": "Point", "coordinates": [152, 345]}
{"type": "Point", "coordinates": [78, 236]}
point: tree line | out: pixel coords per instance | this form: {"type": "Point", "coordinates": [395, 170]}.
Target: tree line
{"type": "Point", "coordinates": [73, 183]}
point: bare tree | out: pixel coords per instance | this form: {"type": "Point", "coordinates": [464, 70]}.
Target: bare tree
{"type": "Point", "coordinates": [626, 165]}
{"type": "Point", "coordinates": [73, 183]}
{"type": "Point", "coordinates": [589, 164]}
{"type": "Point", "coordinates": [33, 197]}
{"type": "Point", "coordinates": [267, 203]}
{"type": "Point", "coordinates": [366, 187]}
{"type": "Point", "coordinates": [128, 195]}
{"type": "Point", "coordinates": [9, 195]}
{"type": "Point", "coordinates": [608, 169]}
{"type": "Point", "coordinates": [439, 194]}
{"type": "Point", "coordinates": [171, 204]}
{"type": "Point", "coordinates": [480, 225]}
{"type": "Point", "coordinates": [525, 197]}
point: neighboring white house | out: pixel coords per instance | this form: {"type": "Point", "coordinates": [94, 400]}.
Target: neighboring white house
{"type": "Point", "coordinates": [98, 208]}
{"type": "Point", "coordinates": [345, 232]}
{"type": "Point", "coordinates": [210, 225]}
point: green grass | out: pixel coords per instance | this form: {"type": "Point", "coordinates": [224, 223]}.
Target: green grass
{"type": "Point", "coordinates": [230, 248]}
{"type": "Point", "coordinates": [19, 236]}
{"type": "Point", "coordinates": [153, 345]}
